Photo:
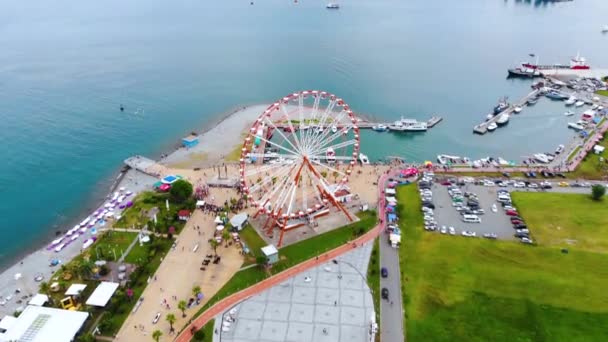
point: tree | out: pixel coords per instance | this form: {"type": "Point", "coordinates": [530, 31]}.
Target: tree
{"type": "Point", "coordinates": [214, 244]}
{"type": "Point", "coordinates": [181, 190]}
{"type": "Point", "coordinates": [225, 236]}
{"type": "Point", "coordinates": [199, 335]}
{"type": "Point", "coordinates": [88, 337]}
{"type": "Point", "coordinates": [171, 319]}
{"type": "Point", "coordinates": [196, 290]}
{"type": "Point", "coordinates": [182, 306]}
{"type": "Point", "coordinates": [597, 192]}
{"type": "Point", "coordinates": [335, 174]}
{"type": "Point", "coordinates": [156, 335]}
{"type": "Point", "coordinates": [46, 289]}
{"type": "Point", "coordinates": [324, 174]}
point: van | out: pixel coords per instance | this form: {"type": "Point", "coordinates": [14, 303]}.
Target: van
{"type": "Point", "coordinates": [471, 219]}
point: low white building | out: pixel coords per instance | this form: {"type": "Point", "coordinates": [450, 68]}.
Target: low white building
{"type": "Point", "coordinates": [598, 149]}
{"type": "Point", "coordinates": [271, 253]}
{"type": "Point", "coordinates": [42, 324]}
{"type": "Point", "coordinates": [239, 221]}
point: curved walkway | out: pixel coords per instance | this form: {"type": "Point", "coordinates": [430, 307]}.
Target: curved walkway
{"type": "Point", "coordinates": [235, 298]}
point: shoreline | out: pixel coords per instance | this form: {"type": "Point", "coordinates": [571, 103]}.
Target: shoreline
{"type": "Point", "coordinates": [34, 259]}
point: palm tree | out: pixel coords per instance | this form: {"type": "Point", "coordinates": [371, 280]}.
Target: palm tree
{"type": "Point", "coordinates": [196, 290]}
{"type": "Point", "coordinates": [214, 244]}
{"type": "Point", "coordinates": [46, 289]}
{"type": "Point", "coordinates": [156, 335]}
{"type": "Point", "coordinates": [225, 237]}
{"type": "Point", "coordinates": [182, 306]}
{"type": "Point", "coordinates": [171, 319]}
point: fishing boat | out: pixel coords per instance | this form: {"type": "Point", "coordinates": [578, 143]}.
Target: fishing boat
{"type": "Point", "coordinates": [517, 109]}
{"type": "Point", "coordinates": [330, 156]}
{"type": "Point", "coordinates": [523, 72]}
{"type": "Point", "coordinates": [492, 126]}
{"type": "Point", "coordinates": [541, 157]}
{"type": "Point", "coordinates": [332, 6]}
{"type": "Point", "coordinates": [569, 113]}
{"type": "Point", "coordinates": [363, 159]}
{"type": "Point", "coordinates": [570, 101]}
{"type": "Point", "coordinates": [579, 63]}
{"type": "Point", "coordinates": [575, 126]}
{"type": "Point", "coordinates": [380, 128]}
{"type": "Point", "coordinates": [502, 105]}
{"type": "Point", "coordinates": [579, 104]}
{"type": "Point", "coordinates": [559, 149]}
{"type": "Point", "coordinates": [532, 101]}
{"type": "Point", "coordinates": [605, 29]}
{"type": "Point", "coordinates": [503, 119]}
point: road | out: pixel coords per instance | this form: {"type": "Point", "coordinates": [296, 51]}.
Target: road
{"type": "Point", "coordinates": [391, 315]}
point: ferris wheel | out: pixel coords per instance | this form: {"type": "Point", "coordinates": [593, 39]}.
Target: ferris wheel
{"type": "Point", "coordinates": [297, 157]}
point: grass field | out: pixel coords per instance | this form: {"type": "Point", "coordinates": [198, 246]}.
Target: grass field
{"type": "Point", "coordinates": [565, 220]}
{"type": "Point", "coordinates": [591, 167]}
{"type": "Point", "coordinates": [459, 289]}
{"type": "Point", "coordinates": [602, 92]}
{"type": "Point", "coordinates": [373, 280]}
{"type": "Point", "coordinates": [254, 243]}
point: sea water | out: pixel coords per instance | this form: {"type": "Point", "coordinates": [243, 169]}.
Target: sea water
{"type": "Point", "coordinates": [67, 66]}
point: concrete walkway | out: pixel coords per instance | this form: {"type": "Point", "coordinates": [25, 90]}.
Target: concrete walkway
{"type": "Point", "coordinates": [267, 283]}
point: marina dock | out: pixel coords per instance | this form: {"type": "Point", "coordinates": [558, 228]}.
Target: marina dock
{"type": "Point", "coordinates": [482, 128]}
{"type": "Point", "coordinates": [430, 123]}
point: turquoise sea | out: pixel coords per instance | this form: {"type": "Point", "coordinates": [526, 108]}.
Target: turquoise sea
{"type": "Point", "coordinates": [67, 65]}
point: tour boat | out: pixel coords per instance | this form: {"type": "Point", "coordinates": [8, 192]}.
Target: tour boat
{"type": "Point", "coordinates": [517, 109]}
{"type": "Point", "coordinates": [569, 113]}
{"type": "Point", "coordinates": [363, 158]}
{"type": "Point", "coordinates": [380, 128]}
{"type": "Point", "coordinates": [492, 126]}
{"type": "Point", "coordinates": [332, 6]}
{"type": "Point", "coordinates": [570, 101]}
{"type": "Point", "coordinates": [503, 119]}
{"type": "Point", "coordinates": [579, 104]}
{"type": "Point", "coordinates": [330, 156]}
{"type": "Point", "coordinates": [501, 106]}
{"type": "Point", "coordinates": [523, 72]}
{"type": "Point", "coordinates": [408, 125]}
{"type": "Point", "coordinates": [541, 157]}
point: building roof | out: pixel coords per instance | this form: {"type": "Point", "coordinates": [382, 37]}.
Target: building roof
{"type": "Point", "coordinates": [39, 299]}
{"type": "Point", "coordinates": [7, 322]}
{"type": "Point", "coordinates": [75, 289]}
{"type": "Point", "coordinates": [42, 324]}
{"type": "Point", "coordinates": [238, 220]}
{"type": "Point", "coordinates": [269, 250]}
{"type": "Point", "coordinates": [102, 294]}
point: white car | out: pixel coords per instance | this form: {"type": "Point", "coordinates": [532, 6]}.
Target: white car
{"type": "Point", "coordinates": [519, 185]}
{"type": "Point", "coordinates": [443, 230]}
{"type": "Point", "coordinates": [452, 231]}
{"type": "Point", "coordinates": [156, 318]}
{"type": "Point", "coordinates": [526, 240]}
{"type": "Point", "coordinates": [468, 233]}
{"type": "Point", "coordinates": [533, 186]}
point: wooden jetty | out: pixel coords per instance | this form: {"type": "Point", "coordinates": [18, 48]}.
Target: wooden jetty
{"type": "Point", "coordinates": [430, 123]}
{"type": "Point", "coordinates": [482, 128]}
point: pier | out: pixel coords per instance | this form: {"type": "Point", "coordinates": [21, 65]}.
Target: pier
{"type": "Point", "coordinates": [430, 123]}
{"type": "Point", "coordinates": [482, 128]}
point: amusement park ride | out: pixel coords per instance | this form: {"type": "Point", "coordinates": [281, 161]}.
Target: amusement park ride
{"type": "Point", "coordinates": [290, 154]}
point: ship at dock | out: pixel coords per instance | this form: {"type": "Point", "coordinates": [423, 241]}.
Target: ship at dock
{"type": "Point", "coordinates": [408, 125]}
{"type": "Point", "coordinates": [575, 63]}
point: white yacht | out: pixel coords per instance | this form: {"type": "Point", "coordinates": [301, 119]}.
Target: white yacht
{"type": "Point", "coordinates": [380, 128]}
{"type": "Point", "coordinates": [605, 29]}
{"type": "Point", "coordinates": [569, 113]}
{"type": "Point", "coordinates": [575, 126]}
{"type": "Point", "coordinates": [492, 126]}
{"type": "Point", "coordinates": [408, 125]}
{"type": "Point", "coordinates": [579, 104]}
{"type": "Point", "coordinates": [541, 157]}
{"type": "Point", "coordinates": [570, 101]}
{"type": "Point", "coordinates": [332, 6]}
{"type": "Point", "coordinates": [517, 109]}
{"type": "Point", "coordinates": [363, 159]}
{"type": "Point", "coordinates": [503, 119]}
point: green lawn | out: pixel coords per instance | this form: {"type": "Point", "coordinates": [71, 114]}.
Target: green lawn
{"type": "Point", "coordinates": [373, 280]}
{"type": "Point", "coordinates": [602, 92]}
{"type": "Point", "coordinates": [112, 243]}
{"type": "Point", "coordinates": [565, 220]}
{"type": "Point", "coordinates": [254, 242]}
{"type": "Point", "coordinates": [591, 167]}
{"type": "Point", "coordinates": [460, 289]}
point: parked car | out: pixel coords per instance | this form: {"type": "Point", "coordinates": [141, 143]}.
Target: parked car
{"type": "Point", "coordinates": [511, 212]}
{"type": "Point", "coordinates": [516, 222]}
{"type": "Point", "coordinates": [563, 184]}
{"type": "Point", "coordinates": [452, 230]}
{"type": "Point", "coordinates": [519, 185]}
{"type": "Point", "coordinates": [384, 272]}
{"type": "Point", "coordinates": [492, 236]}
{"type": "Point", "coordinates": [468, 233]}
{"type": "Point", "coordinates": [384, 293]}
{"type": "Point", "coordinates": [156, 318]}
{"type": "Point", "coordinates": [522, 235]}
{"type": "Point", "coordinates": [520, 226]}
{"type": "Point", "coordinates": [526, 231]}
{"type": "Point", "coordinates": [526, 240]}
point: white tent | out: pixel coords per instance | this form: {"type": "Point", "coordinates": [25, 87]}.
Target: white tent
{"type": "Point", "coordinates": [200, 204]}
{"type": "Point", "coordinates": [389, 191]}
{"type": "Point", "coordinates": [102, 294]}
{"type": "Point", "coordinates": [598, 149]}
{"type": "Point", "coordinates": [75, 289]}
{"type": "Point", "coordinates": [39, 299]}
{"type": "Point", "coordinates": [218, 220]}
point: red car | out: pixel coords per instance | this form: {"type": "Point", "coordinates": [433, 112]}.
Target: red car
{"type": "Point", "coordinates": [446, 183]}
{"type": "Point", "coordinates": [516, 222]}
{"type": "Point", "coordinates": [512, 213]}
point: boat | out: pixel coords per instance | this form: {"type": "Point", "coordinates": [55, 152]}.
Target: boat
{"type": "Point", "coordinates": [380, 128]}
{"type": "Point", "coordinates": [408, 125]}
{"type": "Point", "coordinates": [569, 113]}
{"type": "Point", "coordinates": [605, 29]}
{"type": "Point", "coordinates": [501, 106]}
{"type": "Point", "coordinates": [559, 149]}
{"type": "Point", "coordinates": [570, 101]}
{"type": "Point", "coordinates": [363, 158]}
{"type": "Point", "coordinates": [541, 157]}
{"type": "Point", "coordinates": [332, 6]}
{"type": "Point", "coordinates": [523, 72]}
{"type": "Point", "coordinates": [492, 126]}
{"type": "Point", "coordinates": [556, 95]}
{"type": "Point", "coordinates": [445, 159]}
{"type": "Point", "coordinates": [579, 63]}
{"type": "Point", "coordinates": [517, 109]}
{"type": "Point", "coordinates": [575, 126]}
{"type": "Point", "coordinates": [579, 104]}
{"type": "Point", "coordinates": [595, 107]}
{"type": "Point", "coordinates": [330, 156]}
{"type": "Point", "coordinates": [532, 101]}
{"type": "Point", "coordinates": [503, 119]}
{"type": "Point", "coordinates": [550, 156]}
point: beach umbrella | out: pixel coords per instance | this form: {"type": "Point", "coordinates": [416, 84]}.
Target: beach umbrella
{"type": "Point", "coordinates": [18, 276]}
{"type": "Point", "coordinates": [220, 228]}
{"type": "Point", "coordinates": [199, 296]}
{"type": "Point", "coordinates": [171, 230]}
{"type": "Point", "coordinates": [129, 204]}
